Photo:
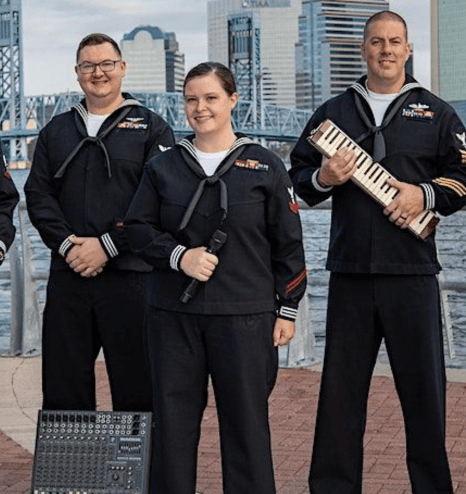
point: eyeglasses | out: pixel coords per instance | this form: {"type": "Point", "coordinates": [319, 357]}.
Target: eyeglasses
{"type": "Point", "coordinates": [105, 66]}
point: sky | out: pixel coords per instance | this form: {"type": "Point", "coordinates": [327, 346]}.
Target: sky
{"type": "Point", "coordinates": [52, 30]}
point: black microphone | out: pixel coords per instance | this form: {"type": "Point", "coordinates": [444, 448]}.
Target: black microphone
{"type": "Point", "coordinates": [216, 242]}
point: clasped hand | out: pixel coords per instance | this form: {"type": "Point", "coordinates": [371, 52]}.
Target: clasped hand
{"type": "Point", "coordinates": [283, 331]}
{"type": "Point", "coordinates": [338, 169]}
{"type": "Point", "coordinates": [407, 205]}
{"type": "Point", "coordinates": [198, 263]}
{"type": "Point", "coordinates": [86, 257]}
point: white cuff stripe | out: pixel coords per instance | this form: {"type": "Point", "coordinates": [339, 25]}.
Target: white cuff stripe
{"type": "Point", "coordinates": [430, 195]}
{"type": "Point", "coordinates": [2, 246]}
{"type": "Point", "coordinates": [175, 256]}
{"type": "Point", "coordinates": [109, 245]}
{"type": "Point", "coordinates": [66, 244]}
{"type": "Point", "coordinates": [288, 312]}
{"type": "Point", "coordinates": [316, 184]}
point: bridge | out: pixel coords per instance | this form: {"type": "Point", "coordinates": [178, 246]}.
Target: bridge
{"type": "Point", "coordinates": [22, 118]}
{"type": "Point", "coordinates": [274, 123]}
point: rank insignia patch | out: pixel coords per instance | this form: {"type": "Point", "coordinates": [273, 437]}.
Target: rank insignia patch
{"type": "Point", "coordinates": [418, 111]}
{"type": "Point", "coordinates": [463, 156]}
{"type": "Point", "coordinates": [132, 124]}
{"type": "Point", "coordinates": [6, 172]}
{"type": "Point", "coordinates": [252, 165]}
{"type": "Point", "coordinates": [462, 139]}
{"type": "Point", "coordinates": [296, 282]}
{"type": "Point", "coordinates": [293, 204]}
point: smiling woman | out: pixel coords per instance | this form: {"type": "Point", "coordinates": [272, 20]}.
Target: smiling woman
{"type": "Point", "coordinates": [234, 194]}
{"type": "Point", "coordinates": [208, 107]}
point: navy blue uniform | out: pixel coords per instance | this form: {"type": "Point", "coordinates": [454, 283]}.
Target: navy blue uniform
{"type": "Point", "coordinates": [383, 285]}
{"type": "Point", "coordinates": [83, 185]}
{"type": "Point", "coordinates": [225, 331]}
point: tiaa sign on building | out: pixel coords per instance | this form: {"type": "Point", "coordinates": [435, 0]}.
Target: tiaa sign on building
{"type": "Point", "coordinates": [256, 4]}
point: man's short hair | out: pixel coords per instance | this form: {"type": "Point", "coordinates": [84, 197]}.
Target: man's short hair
{"type": "Point", "coordinates": [97, 39]}
{"type": "Point", "coordinates": [385, 14]}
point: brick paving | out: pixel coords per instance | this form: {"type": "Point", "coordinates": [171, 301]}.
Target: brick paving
{"type": "Point", "coordinates": [292, 413]}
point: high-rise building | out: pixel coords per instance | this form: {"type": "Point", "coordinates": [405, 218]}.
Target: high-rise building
{"type": "Point", "coordinates": [278, 21]}
{"type": "Point", "coordinates": [328, 55]}
{"type": "Point", "coordinates": [154, 61]}
{"type": "Point", "coordinates": [244, 55]}
{"type": "Point", "coordinates": [448, 19]}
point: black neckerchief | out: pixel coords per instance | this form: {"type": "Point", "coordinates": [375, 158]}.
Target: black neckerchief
{"type": "Point", "coordinates": [379, 151]}
{"type": "Point", "coordinates": [94, 140]}
{"type": "Point", "coordinates": [224, 166]}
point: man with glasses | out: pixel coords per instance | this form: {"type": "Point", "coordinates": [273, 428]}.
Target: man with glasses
{"type": "Point", "coordinates": [86, 169]}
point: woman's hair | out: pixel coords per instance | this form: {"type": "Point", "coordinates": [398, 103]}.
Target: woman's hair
{"type": "Point", "coordinates": [223, 73]}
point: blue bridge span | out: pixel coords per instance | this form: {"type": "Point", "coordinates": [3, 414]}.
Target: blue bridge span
{"type": "Point", "coordinates": [272, 123]}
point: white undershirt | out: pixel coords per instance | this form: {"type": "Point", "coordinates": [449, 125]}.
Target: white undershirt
{"type": "Point", "coordinates": [94, 122]}
{"type": "Point", "coordinates": [210, 161]}
{"type": "Point", "coordinates": [379, 104]}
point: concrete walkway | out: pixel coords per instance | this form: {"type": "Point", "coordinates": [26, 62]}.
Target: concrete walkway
{"type": "Point", "coordinates": [292, 409]}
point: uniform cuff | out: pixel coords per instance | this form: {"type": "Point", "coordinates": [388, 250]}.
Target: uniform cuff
{"type": "Point", "coordinates": [429, 196]}
{"type": "Point", "coordinates": [2, 246]}
{"type": "Point", "coordinates": [288, 313]}
{"type": "Point", "coordinates": [65, 247]}
{"type": "Point", "coordinates": [176, 255]}
{"type": "Point", "coordinates": [108, 245]}
{"type": "Point", "coordinates": [316, 184]}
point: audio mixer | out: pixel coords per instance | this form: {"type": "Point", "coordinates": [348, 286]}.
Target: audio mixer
{"type": "Point", "coordinates": [90, 452]}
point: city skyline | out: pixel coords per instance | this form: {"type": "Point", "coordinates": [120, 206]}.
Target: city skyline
{"type": "Point", "coordinates": [328, 54]}
{"type": "Point", "coordinates": [49, 47]}
{"type": "Point", "coordinates": [157, 64]}
{"type": "Point", "coordinates": [278, 35]}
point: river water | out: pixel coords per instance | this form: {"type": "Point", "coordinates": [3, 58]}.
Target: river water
{"type": "Point", "coordinates": [451, 237]}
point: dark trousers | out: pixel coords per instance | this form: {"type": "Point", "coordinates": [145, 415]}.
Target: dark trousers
{"type": "Point", "coordinates": [83, 315]}
{"type": "Point", "coordinates": [238, 353]}
{"type": "Point", "coordinates": [405, 311]}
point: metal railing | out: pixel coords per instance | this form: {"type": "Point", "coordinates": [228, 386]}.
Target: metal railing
{"type": "Point", "coordinates": [26, 308]}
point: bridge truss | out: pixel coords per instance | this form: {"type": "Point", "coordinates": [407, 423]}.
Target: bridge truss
{"type": "Point", "coordinates": [11, 81]}
{"type": "Point", "coordinates": [278, 123]}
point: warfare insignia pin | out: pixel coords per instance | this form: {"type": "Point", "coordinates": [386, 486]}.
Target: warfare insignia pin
{"type": "Point", "coordinates": [418, 111]}
{"type": "Point", "coordinates": [133, 123]}
{"type": "Point", "coordinates": [252, 165]}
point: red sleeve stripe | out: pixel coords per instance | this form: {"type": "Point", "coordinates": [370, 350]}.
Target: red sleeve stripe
{"type": "Point", "coordinates": [296, 282]}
